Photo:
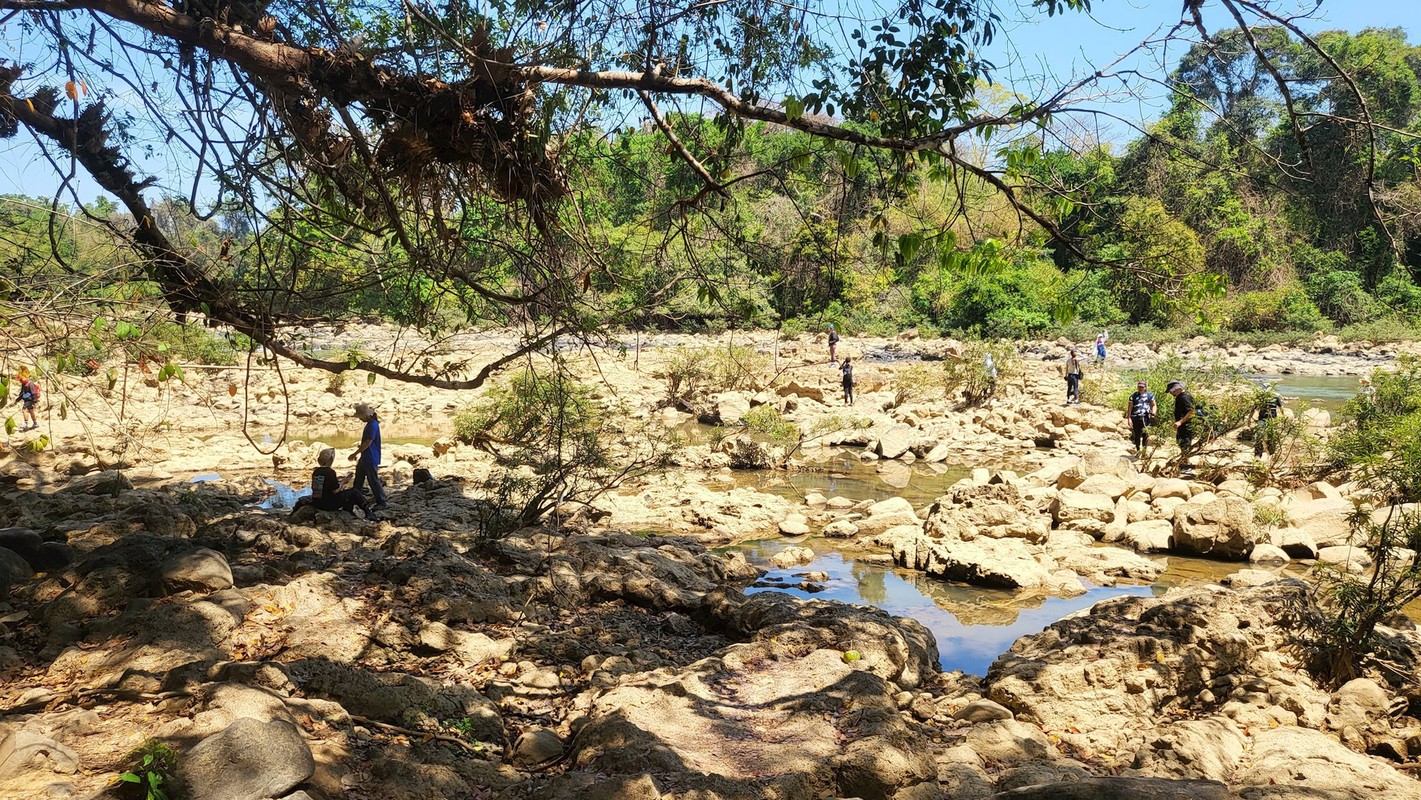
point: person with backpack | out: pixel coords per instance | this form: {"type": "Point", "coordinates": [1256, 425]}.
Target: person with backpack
{"type": "Point", "coordinates": [28, 399]}
{"type": "Point", "coordinates": [833, 344]}
{"type": "Point", "coordinates": [326, 493]}
{"type": "Point", "coordinates": [1266, 433]}
{"type": "Point", "coordinates": [848, 370]}
{"type": "Point", "coordinates": [1140, 411]}
{"type": "Point", "coordinates": [1185, 422]}
{"type": "Point", "coordinates": [1073, 378]}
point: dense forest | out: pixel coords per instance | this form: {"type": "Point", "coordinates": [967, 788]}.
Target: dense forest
{"type": "Point", "coordinates": [1242, 209]}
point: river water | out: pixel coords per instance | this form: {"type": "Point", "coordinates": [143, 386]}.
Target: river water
{"type": "Point", "coordinates": [972, 625]}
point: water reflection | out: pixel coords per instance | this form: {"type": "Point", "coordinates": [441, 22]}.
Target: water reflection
{"type": "Point", "coordinates": [972, 625]}
{"type": "Point", "coordinates": [1328, 392]}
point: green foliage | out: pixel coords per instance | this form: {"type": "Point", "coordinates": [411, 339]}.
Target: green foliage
{"type": "Point", "coordinates": [917, 383]}
{"type": "Point", "coordinates": [554, 444]}
{"type": "Point", "coordinates": [767, 421]}
{"type": "Point", "coordinates": [154, 764]}
{"type": "Point", "coordinates": [693, 374]}
{"type": "Point", "coordinates": [1339, 294]}
{"type": "Point", "coordinates": [981, 370]}
{"type": "Point", "coordinates": [1285, 309]}
{"type": "Point", "coordinates": [981, 290]}
{"type": "Point", "coordinates": [1228, 397]}
{"type": "Point", "coordinates": [1379, 446]}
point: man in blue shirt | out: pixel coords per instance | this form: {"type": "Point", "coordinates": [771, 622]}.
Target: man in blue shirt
{"type": "Point", "coordinates": [368, 467]}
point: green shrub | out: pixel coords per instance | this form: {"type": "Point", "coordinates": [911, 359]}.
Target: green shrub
{"type": "Point", "coordinates": [1284, 309]}
{"type": "Point", "coordinates": [1399, 293]}
{"type": "Point", "coordinates": [154, 765]}
{"type": "Point", "coordinates": [555, 443]}
{"type": "Point", "coordinates": [970, 374]}
{"type": "Point", "coordinates": [1379, 446]}
{"type": "Point", "coordinates": [1384, 330]}
{"type": "Point", "coordinates": [1339, 295]}
{"type": "Point", "coordinates": [692, 374]}
{"type": "Point", "coordinates": [767, 421]}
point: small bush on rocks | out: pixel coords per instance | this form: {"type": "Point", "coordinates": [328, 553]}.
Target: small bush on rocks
{"type": "Point", "coordinates": [154, 764]}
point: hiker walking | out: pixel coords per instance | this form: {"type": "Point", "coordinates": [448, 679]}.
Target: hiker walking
{"type": "Point", "coordinates": [367, 468]}
{"type": "Point", "coordinates": [1185, 410]}
{"type": "Point", "coordinates": [848, 370]}
{"type": "Point", "coordinates": [1100, 340]}
{"type": "Point", "coordinates": [28, 399]}
{"type": "Point", "coordinates": [833, 344]}
{"type": "Point", "coordinates": [1140, 411]}
{"type": "Point", "coordinates": [1266, 433]}
{"type": "Point", "coordinates": [1073, 378]}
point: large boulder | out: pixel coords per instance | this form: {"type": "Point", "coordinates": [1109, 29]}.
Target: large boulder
{"type": "Point", "coordinates": [202, 570]}
{"type": "Point", "coordinates": [1096, 462]}
{"type": "Point", "coordinates": [1150, 536]}
{"type": "Point", "coordinates": [731, 407]}
{"type": "Point", "coordinates": [995, 510]}
{"type": "Point", "coordinates": [881, 516]}
{"type": "Point", "coordinates": [1093, 678]}
{"type": "Point", "coordinates": [250, 760]}
{"type": "Point", "coordinates": [995, 563]}
{"type": "Point", "coordinates": [1324, 521]}
{"type": "Point", "coordinates": [1071, 506]}
{"type": "Point", "coordinates": [897, 440]}
{"type": "Point", "coordinates": [1223, 528]}
{"type": "Point", "coordinates": [1289, 762]}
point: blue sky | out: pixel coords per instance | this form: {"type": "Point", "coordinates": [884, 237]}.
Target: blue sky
{"type": "Point", "coordinates": [1027, 54]}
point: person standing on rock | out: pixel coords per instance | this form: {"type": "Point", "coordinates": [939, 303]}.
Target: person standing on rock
{"type": "Point", "coordinates": [367, 469]}
{"type": "Point", "coordinates": [1140, 411]}
{"type": "Point", "coordinates": [29, 398]}
{"type": "Point", "coordinates": [833, 345]}
{"type": "Point", "coordinates": [1100, 340]}
{"type": "Point", "coordinates": [326, 493]}
{"type": "Point", "coordinates": [1185, 410]}
{"type": "Point", "coordinates": [1266, 433]}
{"type": "Point", "coordinates": [1073, 378]}
{"type": "Point", "coordinates": [848, 370]}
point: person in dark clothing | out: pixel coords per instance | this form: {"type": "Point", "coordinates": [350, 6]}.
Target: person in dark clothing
{"type": "Point", "coordinates": [1185, 411]}
{"type": "Point", "coordinates": [1073, 379]}
{"type": "Point", "coordinates": [848, 370]}
{"type": "Point", "coordinates": [1266, 434]}
{"type": "Point", "coordinates": [326, 493]}
{"type": "Point", "coordinates": [1140, 411]}
{"type": "Point", "coordinates": [833, 345]}
{"type": "Point", "coordinates": [367, 469]}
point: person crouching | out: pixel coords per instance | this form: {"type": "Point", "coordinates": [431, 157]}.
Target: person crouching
{"type": "Point", "coordinates": [326, 493]}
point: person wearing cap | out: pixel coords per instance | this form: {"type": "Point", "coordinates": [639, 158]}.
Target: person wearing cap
{"type": "Point", "coordinates": [1073, 378]}
{"type": "Point", "coordinates": [1140, 411]}
{"type": "Point", "coordinates": [1265, 434]}
{"type": "Point", "coordinates": [1184, 413]}
{"type": "Point", "coordinates": [326, 493]}
{"type": "Point", "coordinates": [367, 468]}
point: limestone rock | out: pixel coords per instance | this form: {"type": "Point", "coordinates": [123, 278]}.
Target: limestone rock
{"type": "Point", "coordinates": [536, 747]}
{"type": "Point", "coordinates": [1290, 762]}
{"type": "Point", "coordinates": [1170, 487]}
{"type": "Point", "coordinates": [794, 525]}
{"type": "Point", "coordinates": [1266, 553]}
{"type": "Point", "coordinates": [896, 441]}
{"type": "Point", "coordinates": [732, 407]}
{"type": "Point", "coordinates": [1097, 788]}
{"type": "Point", "coordinates": [983, 711]}
{"type": "Point", "coordinates": [1071, 505]}
{"type": "Point", "coordinates": [250, 760]}
{"type": "Point", "coordinates": [201, 570]}
{"type": "Point", "coordinates": [792, 557]}
{"type": "Point", "coordinates": [1150, 536]}
{"type": "Point", "coordinates": [1223, 528]}
{"type": "Point", "coordinates": [24, 751]}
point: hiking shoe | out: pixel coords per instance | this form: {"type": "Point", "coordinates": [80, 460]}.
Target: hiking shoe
{"type": "Point", "coordinates": [381, 506]}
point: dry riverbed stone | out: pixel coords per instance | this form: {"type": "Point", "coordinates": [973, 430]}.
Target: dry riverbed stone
{"type": "Point", "coordinates": [250, 760]}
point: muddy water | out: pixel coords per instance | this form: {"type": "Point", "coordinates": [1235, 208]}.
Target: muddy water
{"type": "Point", "coordinates": [1328, 392]}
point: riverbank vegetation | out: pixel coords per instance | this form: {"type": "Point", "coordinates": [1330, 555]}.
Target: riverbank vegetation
{"type": "Point", "coordinates": [1274, 198]}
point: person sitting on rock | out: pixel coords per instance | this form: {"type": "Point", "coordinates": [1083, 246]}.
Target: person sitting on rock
{"type": "Point", "coordinates": [326, 493]}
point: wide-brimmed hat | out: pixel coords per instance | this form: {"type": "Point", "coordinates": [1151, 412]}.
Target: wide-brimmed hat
{"type": "Point", "coordinates": [363, 410]}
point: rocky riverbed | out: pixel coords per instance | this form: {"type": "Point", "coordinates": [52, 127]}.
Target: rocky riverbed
{"type": "Point", "coordinates": [616, 656]}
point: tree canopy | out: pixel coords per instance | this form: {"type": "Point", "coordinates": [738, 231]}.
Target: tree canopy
{"type": "Point", "coordinates": [463, 165]}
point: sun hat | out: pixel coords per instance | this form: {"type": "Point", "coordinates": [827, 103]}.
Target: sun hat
{"type": "Point", "coordinates": [364, 410]}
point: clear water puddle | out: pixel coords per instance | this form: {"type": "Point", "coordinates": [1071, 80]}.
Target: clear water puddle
{"type": "Point", "coordinates": [972, 625]}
